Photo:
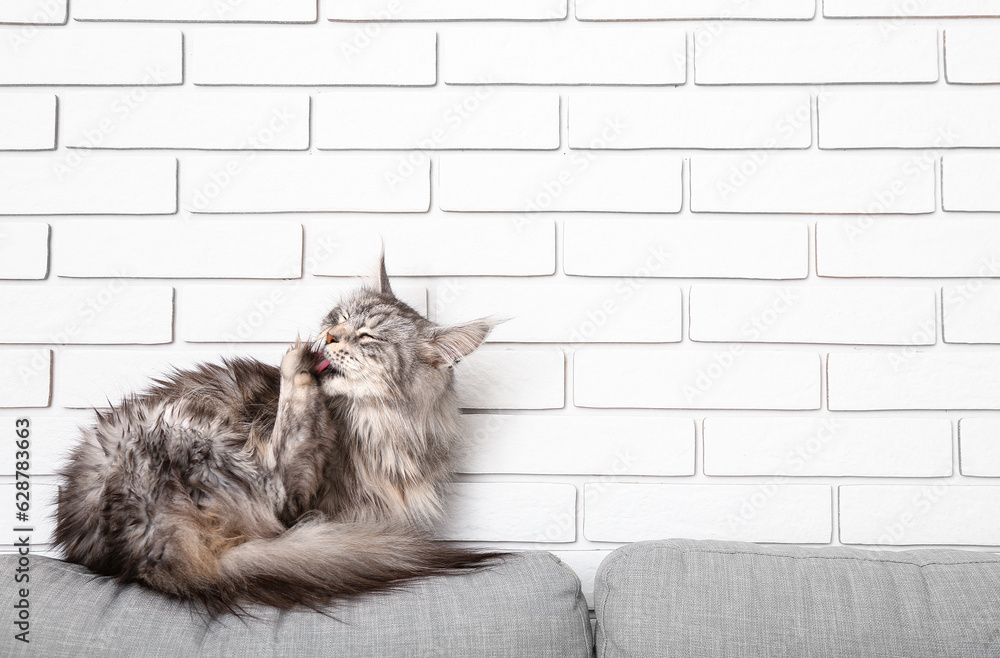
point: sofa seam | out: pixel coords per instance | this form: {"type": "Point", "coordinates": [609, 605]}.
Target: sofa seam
{"type": "Point", "coordinates": [843, 558]}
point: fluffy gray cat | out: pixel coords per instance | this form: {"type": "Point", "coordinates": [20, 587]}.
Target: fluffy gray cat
{"type": "Point", "coordinates": [292, 486]}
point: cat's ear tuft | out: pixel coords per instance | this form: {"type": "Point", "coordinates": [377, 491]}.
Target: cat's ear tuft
{"type": "Point", "coordinates": [448, 345]}
{"type": "Point", "coordinates": [382, 283]}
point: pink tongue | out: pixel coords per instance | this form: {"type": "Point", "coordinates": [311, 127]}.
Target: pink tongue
{"type": "Point", "coordinates": [323, 366]}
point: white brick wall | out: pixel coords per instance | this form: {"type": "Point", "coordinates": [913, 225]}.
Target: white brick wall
{"type": "Point", "coordinates": [767, 182]}
{"type": "Point", "coordinates": [446, 10]}
{"type": "Point", "coordinates": [27, 122]}
{"type": "Point", "coordinates": [579, 181]}
{"type": "Point", "coordinates": [569, 56]}
{"type": "Point", "coordinates": [73, 184]}
{"type": "Point", "coordinates": [33, 12]}
{"type": "Point", "coordinates": [797, 54]}
{"type": "Point", "coordinates": [252, 11]}
{"type": "Point", "coordinates": [293, 56]}
{"type": "Point", "coordinates": [24, 250]}
{"type": "Point", "coordinates": [972, 55]}
{"type": "Point", "coordinates": [797, 314]}
{"type": "Point", "coordinates": [620, 10]}
{"type": "Point", "coordinates": [136, 56]}
{"type": "Point", "coordinates": [890, 9]}
{"type": "Point", "coordinates": [967, 182]}
{"type": "Point", "coordinates": [747, 250]}
{"type": "Point", "coordinates": [182, 119]}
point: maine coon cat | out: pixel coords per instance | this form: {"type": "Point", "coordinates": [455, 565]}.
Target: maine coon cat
{"type": "Point", "coordinates": [292, 486]}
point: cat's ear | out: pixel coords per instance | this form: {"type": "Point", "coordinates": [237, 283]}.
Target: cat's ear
{"type": "Point", "coordinates": [382, 284]}
{"type": "Point", "coordinates": [446, 346]}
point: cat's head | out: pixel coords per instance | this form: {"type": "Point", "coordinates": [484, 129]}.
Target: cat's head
{"type": "Point", "coordinates": [372, 346]}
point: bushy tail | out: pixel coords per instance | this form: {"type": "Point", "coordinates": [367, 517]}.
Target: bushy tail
{"type": "Point", "coordinates": [316, 563]}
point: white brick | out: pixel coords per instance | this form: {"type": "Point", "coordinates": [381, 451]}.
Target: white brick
{"type": "Point", "coordinates": [654, 247]}
{"type": "Point", "coordinates": [574, 55]}
{"type": "Point", "coordinates": [182, 119]}
{"type": "Point", "coordinates": [971, 312]}
{"type": "Point", "coordinates": [909, 118]}
{"type": "Point", "coordinates": [969, 182]}
{"type": "Point", "coordinates": [907, 515]}
{"type": "Point", "coordinates": [913, 380]}
{"type": "Point", "coordinates": [41, 515]}
{"type": "Point", "coordinates": [618, 512]}
{"type": "Point", "coordinates": [25, 376]}
{"type": "Point", "coordinates": [575, 182]}
{"type": "Point", "coordinates": [895, 9]}
{"type": "Point", "coordinates": [133, 56]}
{"type": "Point", "coordinates": [828, 446]}
{"type": "Point", "coordinates": [27, 122]}
{"type": "Point", "coordinates": [797, 314]}
{"type": "Point", "coordinates": [24, 250]}
{"type": "Point", "coordinates": [594, 445]}
{"type": "Point", "coordinates": [332, 56]}
{"type": "Point", "coordinates": [322, 183]}
{"type": "Point", "coordinates": [639, 119]}
{"type": "Point", "coordinates": [792, 54]}
{"type": "Point", "coordinates": [522, 511]}
{"type": "Point", "coordinates": [264, 314]}
{"type": "Point", "coordinates": [52, 439]}
{"type": "Point", "coordinates": [130, 185]}
{"type": "Point", "coordinates": [907, 248]}
{"type": "Point", "coordinates": [972, 55]}
{"type": "Point", "coordinates": [112, 314]}
{"type": "Point", "coordinates": [512, 379]}
{"type": "Point", "coordinates": [603, 312]}
{"type": "Point", "coordinates": [853, 184]}
{"type": "Point", "coordinates": [979, 439]}
{"type": "Point", "coordinates": [639, 10]}
{"type": "Point", "coordinates": [446, 10]}
{"type": "Point", "coordinates": [88, 379]}
{"type": "Point", "coordinates": [475, 246]}
{"type": "Point", "coordinates": [38, 12]}
{"type": "Point", "coordinates": [134, 248]}
{"type": "Point", "coordinates": [277, 11]}
{"type": "Point", "coordinates": [585, 564]}
{"type": "Point", "coordinates": [727, 378]}
{"type": "Point", "coordinates": [479, 118]}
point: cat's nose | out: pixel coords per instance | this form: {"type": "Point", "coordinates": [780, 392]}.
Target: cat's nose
{"type": "Point", "coordinates": [337, 335]}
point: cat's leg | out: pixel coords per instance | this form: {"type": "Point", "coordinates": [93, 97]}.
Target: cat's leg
{"type": "Point", "coordinates": [302, 443]}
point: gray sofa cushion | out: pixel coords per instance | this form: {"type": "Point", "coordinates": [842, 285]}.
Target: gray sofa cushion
{"type": "Point", "coordinates": [711, 598]}
{"type": "Point", "coordinates": [529, 606]}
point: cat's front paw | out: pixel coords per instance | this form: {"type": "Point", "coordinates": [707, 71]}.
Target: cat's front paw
{"type": "Point", "coordinates": [297, 365]}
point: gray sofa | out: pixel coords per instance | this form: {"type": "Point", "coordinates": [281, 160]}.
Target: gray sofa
{"type": "Point", "coordinates": [665, 598]}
